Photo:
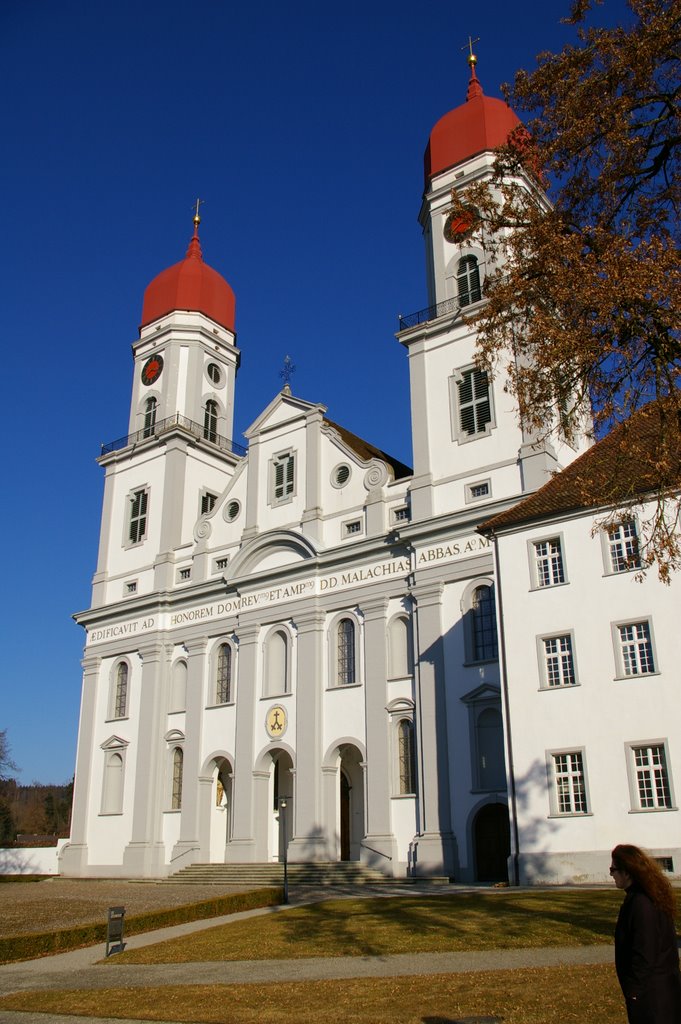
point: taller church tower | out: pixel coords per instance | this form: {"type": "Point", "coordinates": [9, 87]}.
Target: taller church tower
{"type": "Point", "coordinates": [469, 446]}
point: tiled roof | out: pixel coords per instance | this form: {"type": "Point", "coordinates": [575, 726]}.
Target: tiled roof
{"type": "Point", "coordinates": [623, 467]}
{"type": "Point", "coordinates": [367, 451]}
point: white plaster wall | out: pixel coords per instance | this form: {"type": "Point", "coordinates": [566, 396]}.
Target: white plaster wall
{"type": "Point", "coordinates": [38, 860]}
{"type": "Point", "coordinates": [601, 714]}
{"type": "Point", "coordinates": [146, 472]}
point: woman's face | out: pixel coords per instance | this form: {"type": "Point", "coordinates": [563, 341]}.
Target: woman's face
{"type": "Point", "coordinates": [621, 879]}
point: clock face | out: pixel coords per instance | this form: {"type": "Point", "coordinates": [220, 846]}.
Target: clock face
{"type": "Point", "coordinates": [458, 225]}
{"type": "Point", "coordinates": [151, 370]}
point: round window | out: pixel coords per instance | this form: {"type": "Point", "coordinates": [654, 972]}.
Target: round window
{"type": "Point", "coordinates": [341, 475]}
{"type": "Point", "coordinates": [233, 509]}
{"type": "Point", "coordinates": [214, 373]}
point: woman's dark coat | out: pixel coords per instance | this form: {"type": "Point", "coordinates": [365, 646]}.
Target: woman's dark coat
{"type": "Point", "coordinates": [647, 961]}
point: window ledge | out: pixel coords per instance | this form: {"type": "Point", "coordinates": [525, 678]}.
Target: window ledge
{"type": "Point", "coordinates": [123, 718]}
{"type": "Point", "coordinates": [536, 589]}
{"type": "Point", "coordinates": [343, 686]}
{"type": "Point", "coordinates": [483, 661]}
{"type": "Point", "coordinates": [651, 810]}
{"type": "Point", "coordinates": [223, 704]}
{"type": "Point", "coordinates": [173, 810]}
{"type": "Point", "coordinates": [634, 676]}
{"type": "Point", "coordinates": [270, 696]}
{"type": "Point", "coordinates": [111, 814]}
{"type": "Point", "coordinates": [572, 814]}
{"type": "Point", "coordinates": [403, 796]}
{"type": "Point", "coordinates": [562, 686]}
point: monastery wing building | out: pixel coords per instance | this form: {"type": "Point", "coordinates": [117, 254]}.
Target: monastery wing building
{"type": "Point", "coordinates": [295, 646]}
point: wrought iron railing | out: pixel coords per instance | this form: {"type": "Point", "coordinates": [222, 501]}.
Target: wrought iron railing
{"type": "Point", "coordinates": [173, 422]}
{"type": "Point", "coordinates": [429, 313]}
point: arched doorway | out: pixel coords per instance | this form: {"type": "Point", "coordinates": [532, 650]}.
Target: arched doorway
{"type": "Point", "coordinates": [350, 802]}
{"type": "Point", "coordinates": [220, 808]}
{"type": "Point", "coordinates": [281, 804]}
{"type": "Point", "coordinates": [492, 838]}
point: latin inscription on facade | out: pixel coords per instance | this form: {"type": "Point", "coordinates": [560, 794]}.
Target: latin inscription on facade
{"type": "Point", "coordinates": [343, 580]}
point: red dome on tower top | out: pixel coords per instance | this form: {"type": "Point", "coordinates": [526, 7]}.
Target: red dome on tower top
{"type": "Point", "coordinates": [190, 284]}
{"type": "Point", "coordinates": [479, 124]}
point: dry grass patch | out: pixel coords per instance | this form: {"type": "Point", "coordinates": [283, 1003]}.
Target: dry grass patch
{"type": "Point", "coordinates": [567, 995]}
{"type": "Point", "coordinates": [410, 924]}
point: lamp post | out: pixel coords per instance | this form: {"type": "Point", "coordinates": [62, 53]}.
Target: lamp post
{"type": "Point", "coordinates": [282, 821]}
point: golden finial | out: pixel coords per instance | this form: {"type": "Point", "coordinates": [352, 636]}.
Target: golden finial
{"type": "Point", "coordinates": [197, 219]}
{"type": "Point", "coordinates": [471, 58]}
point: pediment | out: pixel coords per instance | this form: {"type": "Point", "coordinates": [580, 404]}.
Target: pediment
{"type": "Point", "coordinates": [270, 551]}
{"type": "Point", "coordinates": [114, 743]}
{"type": "Point", "coordinates": [481, 694]}
{"type": "Point", "coordinates": [282, 409]}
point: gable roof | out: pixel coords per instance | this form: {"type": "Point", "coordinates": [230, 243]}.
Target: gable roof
{"type": "Point", "coordinates": [368, 451]}
{"type": "Point", "coordinates": [630, 462]}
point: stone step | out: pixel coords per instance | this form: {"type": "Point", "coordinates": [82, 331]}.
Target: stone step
{"type": "Point", "coordinates": [340, 873]}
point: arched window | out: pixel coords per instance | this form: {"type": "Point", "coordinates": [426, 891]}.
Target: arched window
{"type": "Point", "coordinates": [223, 675]}
{"type": "Point", "coordinates": [400, 660]}
{"type": "Point", "coordinates": [150, 409]}
{"type": "Point", "coordinates": [277, 679]}
{"type": "Point", "coordinates": [484, 625]}
{"type": "Point", "coordinates": [178, 764]}
{"type": "Point", "coordinates": [468, 281]}
{"type": "Point", "coordinates": [210, 421]}
{"type": "Point", "coordinates": [112, 788]}
{"type": "Point", "coordinates": [178, 696]}
{"type": "Point", "coordinates": [345, 652]}
{"type": "Point", "coordinates": [120, 701]}
{"type": "Point", "coordinates": [405, 755]}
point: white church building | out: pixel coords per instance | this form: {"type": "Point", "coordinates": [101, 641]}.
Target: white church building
{"type": "Point", "coordinates": [308, 620]}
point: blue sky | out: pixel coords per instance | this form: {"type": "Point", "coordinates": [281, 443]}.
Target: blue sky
{"type": "Point", "coordinates": [302, 126]}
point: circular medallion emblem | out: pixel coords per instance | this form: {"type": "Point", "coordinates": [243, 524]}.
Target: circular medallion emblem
{"type": "Point", "coordinates": [151, 370]}
{"type": "Point", "coordinates": [276, 721]}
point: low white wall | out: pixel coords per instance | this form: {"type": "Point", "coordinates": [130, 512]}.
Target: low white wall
{"type": "Point", "coordinates": [39, 860]}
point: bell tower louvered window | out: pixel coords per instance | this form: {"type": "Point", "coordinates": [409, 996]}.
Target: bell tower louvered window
{"type": "Point", "coordinates": [210, 421]}
{"type": "Point", "coordinates": [150, 410]}
{"type": "Point", "coordinates": [283, 477]}
{"type": "Point", "coordinates": [468, 281]}
{"type": "Point", "coordinates": [139, 502]}
{"type": "Point", "coordinates": [474, 401]}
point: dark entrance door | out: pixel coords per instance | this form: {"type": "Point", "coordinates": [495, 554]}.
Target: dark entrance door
{"type": "Point", "coordinates": [492, 843]}
{"type": "Point", "coordinates": [344, 816]}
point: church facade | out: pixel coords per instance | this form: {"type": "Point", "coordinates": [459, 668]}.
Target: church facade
{"type": "Point", "coordinates": [294, 645]}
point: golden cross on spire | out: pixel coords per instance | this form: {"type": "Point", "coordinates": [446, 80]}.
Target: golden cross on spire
{"type": "Point", "coordinates": [472, 59]}
{"type": "Point", "coordinates": [197, 219]}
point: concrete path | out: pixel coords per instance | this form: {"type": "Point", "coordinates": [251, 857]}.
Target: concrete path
{"type": "Point", "coordinates": [80, 969]}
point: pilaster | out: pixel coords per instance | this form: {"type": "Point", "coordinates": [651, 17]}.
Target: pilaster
{"type": "Point", "coordinates": [253, 488]}
{"type": "Point", "coordinates": [311, 519]}
{"type": "Point", "coordinates": [308, 842]}
{"type": "Point", "coordinates": [187, 850]}
{"type": "Point", "coordinates": [434, 847]}
{"type": "Point", "coordinates": [144, 856]}
{"type": "Point", "coordinates": [74, 857]}
{"type": "Point", "coordinates": [379, 835]}
{"type": "Point", "coordinates": [242, 844]}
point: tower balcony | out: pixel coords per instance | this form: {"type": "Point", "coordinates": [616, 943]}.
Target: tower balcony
{"type": "Point", "coordinates": [422, 316]}
{"type": "Point", "coordinates": [176, 422]}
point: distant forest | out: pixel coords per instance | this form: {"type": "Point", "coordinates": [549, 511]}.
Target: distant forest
{"type": "Point", "coordinates": [40, 811]}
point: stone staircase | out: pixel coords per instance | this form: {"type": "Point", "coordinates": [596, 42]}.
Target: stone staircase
{"type": "Point", "coordinates": [314, 873]}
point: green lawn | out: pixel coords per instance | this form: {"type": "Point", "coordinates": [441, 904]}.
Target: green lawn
{"type": "Point", "coordinates": [410, 924]}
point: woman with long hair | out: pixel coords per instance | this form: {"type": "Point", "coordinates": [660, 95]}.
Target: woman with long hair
{"type": "Point", "coordinates": [646, 950]}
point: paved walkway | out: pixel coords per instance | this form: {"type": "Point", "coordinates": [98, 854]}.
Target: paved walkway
{"type": "Point", "coordinates": [80, 969]}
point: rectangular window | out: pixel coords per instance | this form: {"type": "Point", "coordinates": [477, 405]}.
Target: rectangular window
{"type": "Point", "coordinates": [184, 574]}
{"type": "Point", "coordinates": [137, 530]}
{"type": "Point", "coordinates": [559, 667]}
{"type": "Point", "coordinates": [478, 491]}
{"type": "Point", "coordinates": [549, 568]}
{"type": "Point", "coordinates": [401, 515]}
{"type": "Point", "coordinates": [353, 528]}
{"type": "Point", "coordinates": [623, 546]}
{"type": "Point", "coordinates": [635, 649]}
{"type": "Point", "coordinates": [208, 502]}
{"type": "Point", "coordinates": [474, 403]}
{"type": "Point", "coordinates": [569, 783]}
{"type": "Point", "coordinates": [221, 563]}
{"type": "Point", "coordinates": [283, 477]}
{"type": "Point", "coordinates": [652, 788]}
{"type": "Point", "coordinates": [131, 588]}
